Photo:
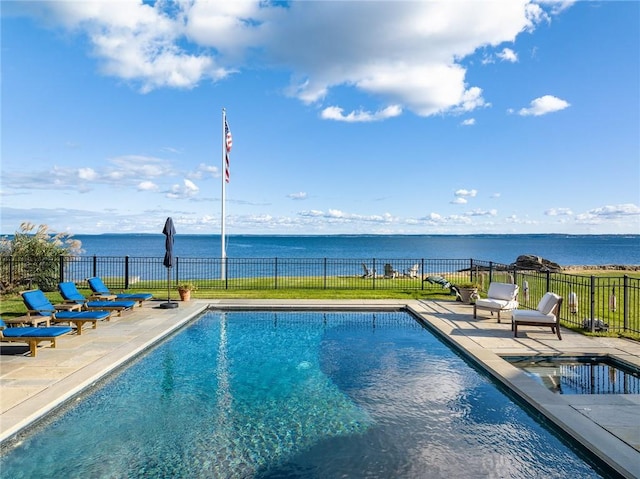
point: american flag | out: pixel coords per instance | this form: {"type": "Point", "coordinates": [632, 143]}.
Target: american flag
{"type": "Point", "coordinates": [228, 144]}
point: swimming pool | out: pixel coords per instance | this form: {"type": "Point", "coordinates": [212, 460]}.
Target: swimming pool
{"type": "Point", "coordinates": [306, 394]}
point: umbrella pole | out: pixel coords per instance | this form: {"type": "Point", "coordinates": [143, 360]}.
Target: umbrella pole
{"type": "Point", "coordinates": [168, 304]}
{"type": "Point", "coordinates": [168, 285]}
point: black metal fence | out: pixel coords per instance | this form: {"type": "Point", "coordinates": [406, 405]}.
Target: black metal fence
{"type": "Point", "coordinates": [611, 302]}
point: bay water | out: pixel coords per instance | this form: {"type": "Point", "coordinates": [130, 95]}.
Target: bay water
{"type": "Point", "coordinates": [561, 249]}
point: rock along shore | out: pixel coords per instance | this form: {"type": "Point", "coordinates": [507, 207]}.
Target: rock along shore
{"type": "Point", "coordinates": [602, 267]}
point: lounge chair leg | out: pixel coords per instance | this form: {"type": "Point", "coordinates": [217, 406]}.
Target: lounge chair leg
{"type": "Point", "coordinates": [33, 347]}
{"type": "Point", "coordinates": [474, 312]}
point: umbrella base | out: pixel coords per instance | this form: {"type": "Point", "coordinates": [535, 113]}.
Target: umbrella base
{"type": "Point", "coordinates": [168, 305]}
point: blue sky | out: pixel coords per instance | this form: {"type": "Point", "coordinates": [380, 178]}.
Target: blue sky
{"type": "Point", "coordinates": [355, 117]}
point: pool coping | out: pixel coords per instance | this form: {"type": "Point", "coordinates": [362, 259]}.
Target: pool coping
{"type": "Point", "coordinates": [482, 341]}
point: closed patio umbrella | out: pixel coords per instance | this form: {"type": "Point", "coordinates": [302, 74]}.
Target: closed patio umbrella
{"type": "Point", "coordinates": [169, 231]}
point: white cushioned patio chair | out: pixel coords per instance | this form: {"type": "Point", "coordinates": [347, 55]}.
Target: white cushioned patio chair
{"type": "Point", "coordinates": [546, 314]}
{"type": "Point", "coordinates": [500, 297]}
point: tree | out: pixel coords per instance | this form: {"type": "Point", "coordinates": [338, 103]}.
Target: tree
{"type": "Point", "coordinates": [33, 258]}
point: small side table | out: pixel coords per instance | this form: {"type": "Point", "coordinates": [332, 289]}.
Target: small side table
{"type": "Point", "coordinates": [68, 307]}
{"type": "Point", "coordinates": [103, 297]}
{"type": "Point", "coordinates": [33, 320]}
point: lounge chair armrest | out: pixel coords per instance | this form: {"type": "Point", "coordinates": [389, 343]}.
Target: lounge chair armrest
{"type": "Point", "coordinates": [38, 311]}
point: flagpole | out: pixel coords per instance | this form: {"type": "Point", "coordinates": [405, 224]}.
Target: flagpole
{"type": "Point", "coordinates": [223, 254]}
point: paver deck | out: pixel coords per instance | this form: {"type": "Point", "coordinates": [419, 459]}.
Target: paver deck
{"type": "Point", "coordinates": [607, 425]}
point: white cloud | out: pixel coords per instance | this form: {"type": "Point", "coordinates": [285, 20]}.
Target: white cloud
{"type": "Point", "coordinates": [298, 196]}
{"type": "Point", "coordinates": [139, 42]}
{"type": "Point", "coordinates": [187, 190]}
{"type": "Point", "coordinates": [468, 122]}
{"type": "Point", "coordinates": [436, 219]}
{"type": "Point", "coordinates": [471, 99]}
{"type": "Point", "coordinates": [543, 105]}
{"type": "Point", "coordinates": [408, 55]}
{"type": "Point", "coordinates": [335, 215]}
{"type": "Point", "coordinates": [557, 6]}
{"type": "Point", "coordinates": [335, 113]}
{"type": "Point", "coordinates": [507, 55]}
{"type": "Point", "coordinates": [87, 174]}
{"type": "Point", "coordinates": [203, 170]}
{"type": "Point", "coordinates": [137, 166]}
{"type": "Point", "coordinates": [147, 186]}
{"type": "Point", "coordinates": [559, 212]}
{"type": "Point", "coordinates": [459, 201]}
{"type": "Point", "coordinates": [492, 212]}
{"type": "Point", "coordinates": [312, 213]}
{"type": "Point", "coordinates": [610, 212]}
{"type": "Point", "coordinates": [119, 172]}
{"type": "Point", "coordinates": [463, 192]}
{"type": "Point", "coordinates": [627, 209]}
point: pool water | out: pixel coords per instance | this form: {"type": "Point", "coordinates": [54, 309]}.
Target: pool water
{"type": "Point", "coordinates": [295, 395]}
{"type": "Point", "coordinates": [581, 375]}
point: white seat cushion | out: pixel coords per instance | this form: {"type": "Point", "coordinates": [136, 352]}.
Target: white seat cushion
{"type": "Point", "coordinates": [491, 303]}
{"type": "Point", "coordinates": [537, 316]}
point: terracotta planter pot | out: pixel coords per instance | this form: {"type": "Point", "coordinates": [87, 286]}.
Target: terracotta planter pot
{"type": "Point", "coordinates": [468, 295]}
{"type": "Point", "coordinates": [185, 294]}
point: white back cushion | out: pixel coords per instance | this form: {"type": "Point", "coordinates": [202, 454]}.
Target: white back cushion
{"type": "Point", "coordinates": [547, 302]}
{"type": "Point", "coordinates": [505, 291]}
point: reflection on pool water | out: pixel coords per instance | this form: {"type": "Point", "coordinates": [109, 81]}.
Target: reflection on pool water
{"type": "Point", "coordinates": [581, 375]}
{"type": "Point", "coordinates": [296, 394]}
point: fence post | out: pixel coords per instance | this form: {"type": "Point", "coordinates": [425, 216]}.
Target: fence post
{"type": "Point", "coordinates": [471, 270]}
{"type": "Point", "coordinates": [95, 266]}
{"type": "Point", "coordinates": [548, 275]}
{"type": "Point", "coordinates": [126, 272]}
{"type": "Point", "coordinates": [10, 269]}
{"type": "Point", "coordinates": [275, 271]}
{"type": "Point", "coordinates": [422, 274]}
{"type": "Point", "coordinates": [226, 272]}
{"type": "Point", "coordinates": [625, 301]}
{"type": "Point", "coordinates": [593, 303]}
{"type": "Point", "coordinates": [176, 272]}
{"type": "Point", "coordinates": [373, 282]}
{"type": "Point", "coordinates": [61, 268]}
{"type": "Point", "coordinates": [490, 271]}
{"type": "Point", "coordinates": [325, 273]}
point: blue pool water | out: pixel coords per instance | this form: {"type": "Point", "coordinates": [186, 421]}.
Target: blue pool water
{"type": "Point", "coordinates": [292, 395]}
{"type": "Point", "coordinates": [580, 375]}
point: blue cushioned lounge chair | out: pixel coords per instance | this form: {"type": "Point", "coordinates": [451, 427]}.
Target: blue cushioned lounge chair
{"type": "Point", "coordinates": [100, 290]}
{"type": "Point", "coordinates": [71, 295]}
{"type": "Point", "coordinates": [37, 303]}
{"type": "Point", "coordinates": [32, 335]}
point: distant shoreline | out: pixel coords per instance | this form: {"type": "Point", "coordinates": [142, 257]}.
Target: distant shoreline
{"type": "Point", "coordinates": [600, 267]}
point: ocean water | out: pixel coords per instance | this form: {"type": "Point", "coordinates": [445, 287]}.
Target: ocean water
{"type": "Point", "coordinates": [562, 249]}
